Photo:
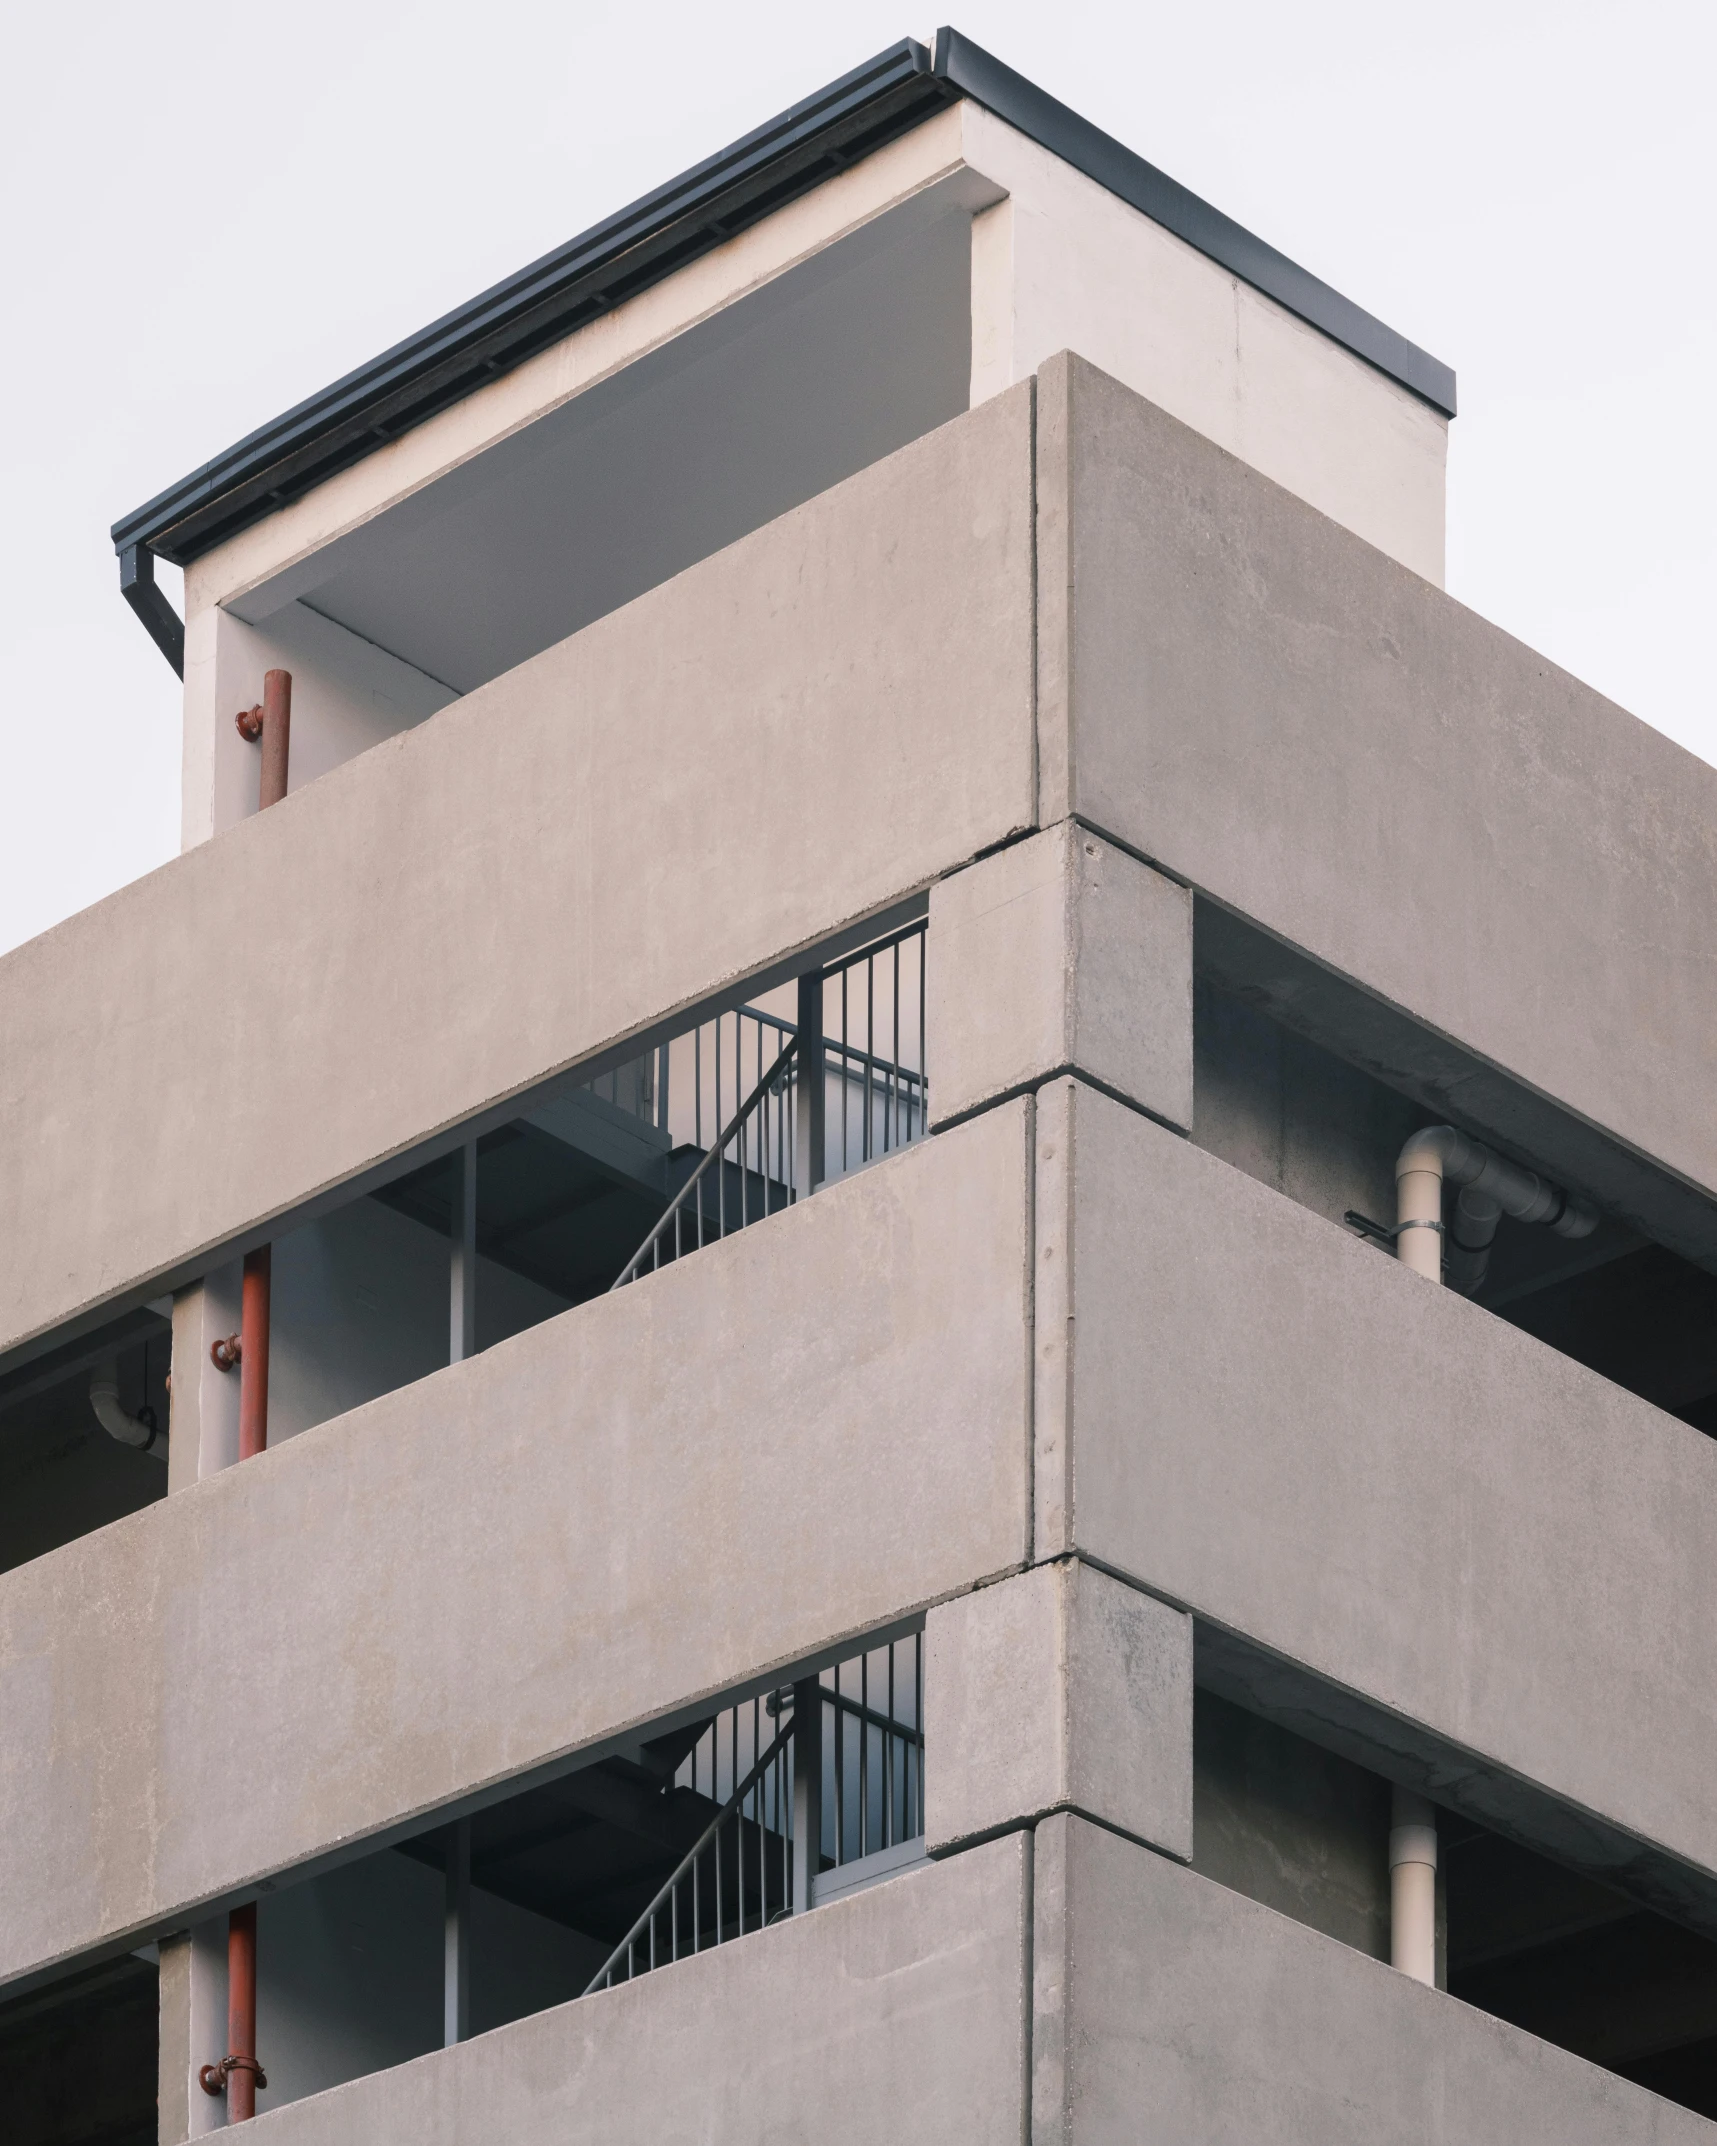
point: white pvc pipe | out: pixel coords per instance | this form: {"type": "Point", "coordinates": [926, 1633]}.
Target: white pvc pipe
{"type": "Point", "coordinates": [129, 1430]}
{"type": "Point", "coordinates": [1490, 1188]}
{"type": "Point", "coordinates": [1413, 1886]}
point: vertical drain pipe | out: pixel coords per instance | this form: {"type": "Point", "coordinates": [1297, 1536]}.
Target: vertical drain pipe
{"type": "Point", "coordinates": [1413, 1886]}
{"type": "Point", "coordinates": [238, 2074]}
{"type": "Point", "coordinates": [241, 2014]}
{"type": "Point", "coordinates": [462, 1272]}
{"type": "Point", "coordinates": [271, 722]}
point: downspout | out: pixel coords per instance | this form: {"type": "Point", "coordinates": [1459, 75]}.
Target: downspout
{"type": "Point", "coordinates": [1489, 1189]}
{"type": "Point", "coordinates": [161, 622]}
{"type": "Point", "coordinates": [238, 2075]}
{"type": "Point", "coordinates": [1413, 1886]}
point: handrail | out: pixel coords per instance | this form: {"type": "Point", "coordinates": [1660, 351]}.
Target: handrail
{"type": "Point", "coordinates": [686, 1862]}
{"type": "Point", "coordinates": [869, 951]}
{"type": "Point", "coordinates": [832, 1045]}
{"type": "Point", "coordinates": [717, 1150]}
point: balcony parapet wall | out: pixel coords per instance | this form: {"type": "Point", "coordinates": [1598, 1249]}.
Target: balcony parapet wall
{"type": "Point", "coordinates": [900, 2013]}
{"type": "Point", "coordinates": [1263, 705]}
{"type": "Point", "coordinates": [789, 736]}
{"type": "Point", "coordinates": [1156, 1989]}
{"type": "Point", "coordinates": [643, 1501]}
{"type": "Point", "coordinates": [1252, 1413]}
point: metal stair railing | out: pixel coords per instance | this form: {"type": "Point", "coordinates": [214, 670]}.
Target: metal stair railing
{"type": "Point", "coordinates": [773, 1086]}
{"type": "Point", "coordinates": [842, 1091]}
{"type": "Point", "coordinates": [668, 1898]}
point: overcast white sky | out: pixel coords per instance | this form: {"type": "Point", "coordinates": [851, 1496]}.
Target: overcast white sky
{"type": "Point", "coordinates": [212, 210]}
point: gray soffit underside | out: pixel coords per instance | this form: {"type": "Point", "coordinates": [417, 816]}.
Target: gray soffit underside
{"type": "Point", "coordinates": [690, 216]}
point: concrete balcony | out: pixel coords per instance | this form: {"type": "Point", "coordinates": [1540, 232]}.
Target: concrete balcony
{"type": "Point", "coordinates": [900, 2013]}
{"type": "Point", "coordinates": [1520, 878]}
{"type": "Point", "coordinates": [1385, 1490]}
{"type": "Point", "coordinates": [1157, 1990]}
{"type": "Point", "coordinates": [828, 716]}
{"type": "Point", "coordinates": [823, 718]}
{"type": "Point", "coordinates": [808, 1431]}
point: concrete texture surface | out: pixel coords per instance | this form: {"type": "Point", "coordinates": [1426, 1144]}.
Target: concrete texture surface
{"type": "Point", "coordinates": [1282, 1428]}
{"type": "Point", "coordinates": [1058, 1689]}
{"type": "Point", "coordinates": [1165, 2006]}
{"type": "Point", "coordinates": [646, 1500]}
{"type": "Point", "coordinates": [1059, 954]}
{"type": "Point", "coordinates": [1268, 708]}
{"type": "Point", "coordinates": [899, 2013]}
{"type": "Point", "coordinates": [823, 717]}
{"type": "Point", "coordinates": [1288, 1823]}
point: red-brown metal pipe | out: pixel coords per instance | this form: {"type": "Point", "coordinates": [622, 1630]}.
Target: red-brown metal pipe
{"type": "Point", "coordinates": [253, 1352]}
{"type": "Point", "coordinates": [241, 2012]}
{"type": "Point", "coordinates": [238, 2075]}
{"type": "Point", "coordinates": [276, 737]}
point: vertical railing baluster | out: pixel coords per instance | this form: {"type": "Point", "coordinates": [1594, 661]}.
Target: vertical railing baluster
{"type": "Point", "coordinates": [918, 1718]}
{"type": "Point", "coordinates": [846, 1075]}
{"type": "Point", "coordinates": [869, 1052]}
{"type": "Point", "coordinates": [923, 1070]}
{"type": "Point", "coordinates": [864, 1753]}
{"type": "Point", "coordinates": [888, 1758]}
{"type": "Point", "coordinates": [894, 1045]}
{"type": "Point", "coordinates": [840, 1774]}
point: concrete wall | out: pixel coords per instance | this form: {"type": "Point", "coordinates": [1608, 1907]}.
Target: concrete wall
{"type": "Point", "coordinates": [1062, 264]}
{"type": "Point", "coordinates": [1058, 1689]}
{"type": "Point", "coordinates": [1285, 1822]}
{"type": "Point", "coordinates": [629, 1507]}
{"type": "Point", "coordinates": [1156, 1991]}
{"type": "Point", "coordinates": [897, 2013]}
{"type": "Point", "coordinates": [1249, 1411]}
{"type": "Point", "coordinates": [1285, 718]}
{"type": "Point", "coordinates": [1293, 1115]}
{"type": "Point", "coordinates": [823, 717]}
{"type": "Point", "coordinates": [1060, 954]}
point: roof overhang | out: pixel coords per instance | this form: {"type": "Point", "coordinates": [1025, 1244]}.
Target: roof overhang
{"type": "Point", "coordinates": [678, 222]}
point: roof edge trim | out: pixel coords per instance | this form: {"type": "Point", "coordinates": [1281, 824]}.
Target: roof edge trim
{"type": "Point", "coordinates": [677, 223]}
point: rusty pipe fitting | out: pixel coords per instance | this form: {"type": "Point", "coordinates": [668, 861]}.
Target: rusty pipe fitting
{"type": "Point", "coordinates": [213, 2077]}
{"type": "Point", "coordinates": [227, 1355]}
{"type": "Point", "coordinates": [249, 723]}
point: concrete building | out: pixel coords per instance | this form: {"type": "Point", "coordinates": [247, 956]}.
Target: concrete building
{"type": "Point", "coordinates": [934, 1215]}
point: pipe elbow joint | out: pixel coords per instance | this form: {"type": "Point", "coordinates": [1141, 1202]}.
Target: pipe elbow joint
{"type": "Point", "coordinates": [140, 1432]}
{"type": "Point", "coordinates": [1438, 1149]}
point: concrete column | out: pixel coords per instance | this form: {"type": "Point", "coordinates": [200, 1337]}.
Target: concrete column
{"type": "Point", "coordinates": [1058, 1690]}
{"type": "Point", "coordinates": [193, 2029]}
{"type": "Point", "coordinates": [1060, 954]}
{"type": "Point", "coordinates": [203, 1419]}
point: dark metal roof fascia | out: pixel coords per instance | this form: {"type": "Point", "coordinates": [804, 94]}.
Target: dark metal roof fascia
{"type": "Point", "coordinates": [589, 276]}
{"type": "Point", "coordinates": [1099, 156]}
{"type": "Point", "coordinates": [678, 222]}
